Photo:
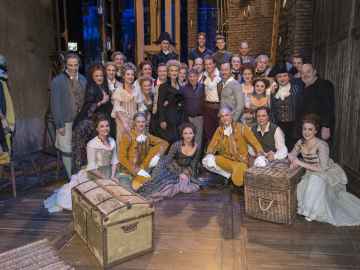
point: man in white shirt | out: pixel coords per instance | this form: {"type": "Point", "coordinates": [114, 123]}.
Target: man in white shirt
{"type": "Point", "coordinates": [213, 89]}
{"type": "Point", "coordinates": [270, 136]}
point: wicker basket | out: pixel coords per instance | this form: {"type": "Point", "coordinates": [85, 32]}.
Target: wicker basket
{"type": "Point", "coordinates": [270, 192]}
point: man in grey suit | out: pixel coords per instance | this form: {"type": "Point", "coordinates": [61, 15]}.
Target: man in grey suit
{"type": "Point", "coordinates": [67, 96]}
{"type": "Point", "coordinates": [232, 92]}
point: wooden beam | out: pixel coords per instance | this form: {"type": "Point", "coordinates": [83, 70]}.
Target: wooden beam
{"type": "Point", "coordinates": [153, 22]}
{"type": "Point", "coordinates": [158, 19]}
{"type": "Point", "coordinates": [177, 25]}
{"type": "Point", "coordinates": [168, 17]}
{"type": "Point", "coordinates": [140, 41]}
{"type": "Point", "coordinates": [275, 31]}
{"type": "Point", "coordinates": [113, 26]}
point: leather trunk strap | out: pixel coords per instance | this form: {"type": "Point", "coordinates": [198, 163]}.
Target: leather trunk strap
{"type": "Point", "coordinates": [117, 196]}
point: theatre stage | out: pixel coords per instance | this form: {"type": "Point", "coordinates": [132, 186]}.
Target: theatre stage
{"type": "Point", "coordinates": [204, 230]}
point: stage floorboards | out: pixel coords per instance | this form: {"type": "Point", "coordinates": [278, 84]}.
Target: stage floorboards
{"type": "Point", "coordinates": [205, 230]}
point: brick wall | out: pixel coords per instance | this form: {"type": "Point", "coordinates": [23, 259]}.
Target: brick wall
{"type": "Point", "coordinates": [295, 30]}
{"type": "Point", "coordinates": [257, 32]}
{"type": "Point", "coordinates": [192, 18]}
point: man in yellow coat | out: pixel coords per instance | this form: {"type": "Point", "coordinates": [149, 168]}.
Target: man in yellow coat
{"type": "Point", "coordinates": [135, 154]}
{"type": "Point", "coordinates": [230, 142]}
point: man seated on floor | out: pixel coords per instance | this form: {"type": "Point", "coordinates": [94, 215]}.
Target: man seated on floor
{"type": "Point", "coordinates": [270, 136]}
{"type": "Point", "coordinates": [230, 142]}
{"type": "Point", "coordinates": [135, 154]}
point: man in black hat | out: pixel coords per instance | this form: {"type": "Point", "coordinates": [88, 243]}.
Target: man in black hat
{"type": "Point", "coordinates": [283, 102]}
{"type": "Point", "coordinates": [164, 55]}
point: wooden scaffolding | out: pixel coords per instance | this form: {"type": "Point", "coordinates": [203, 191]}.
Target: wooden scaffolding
{"type": "Point", "coordinates": [148, 26]}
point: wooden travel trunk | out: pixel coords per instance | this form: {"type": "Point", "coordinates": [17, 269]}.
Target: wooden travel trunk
{"type": "Point", "coordinates": [270, 191]}
{"type": "Point", "coordinates": [115, 223]}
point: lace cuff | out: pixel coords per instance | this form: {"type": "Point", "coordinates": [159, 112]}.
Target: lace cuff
{"type": "Point", "coordinates": [116, 109]}
{"type": "Point", "coordinates": [92, 166]}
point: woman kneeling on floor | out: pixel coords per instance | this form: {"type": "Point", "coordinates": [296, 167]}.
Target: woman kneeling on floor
{"type": "Point", "coordinates": [102, 160]}
{"type": "Point", "coordinates": [321, 194]}
{"type": "Point", "coordinates": [176, 172]}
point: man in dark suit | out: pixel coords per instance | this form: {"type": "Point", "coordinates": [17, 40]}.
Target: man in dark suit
{"type": "Point", "coordinates": [164, 55]}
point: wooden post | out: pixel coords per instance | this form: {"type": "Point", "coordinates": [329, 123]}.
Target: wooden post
{"type": "Point", "coordinates": [140, 41]}
{"type": "Point", "coordinates": [274, 41]}
{"type": "Point", "coordinates": [158, 19]}
{"type": "Point", "coordinates": [177, 25]}
{"type": "Point", "coordinates": [153, 21]}
{"type": "Point", "coordinates": [168, 17]}
{"type": "Point", "coordinates": [345, 115]}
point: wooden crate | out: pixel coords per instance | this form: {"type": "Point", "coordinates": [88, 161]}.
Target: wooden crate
{"type": "Point", "coordinates": [115, 223]}
{"type": "Point", "coordinates": [270, 191]}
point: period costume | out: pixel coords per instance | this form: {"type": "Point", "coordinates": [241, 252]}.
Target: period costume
{"type": "Point", "coordinates": [194, 108]}
{"type": "Point", "coordinates": [317, 98]}
{"type": "Point", "coordinates": [322, 196]}
{"type": "Point", "coordinates": [259, 74]}
{"type": "Point", "coordinates": [127, 104]}
{"type": "Point", "coordinates": [232, 96]}
{"type": "Point", "coordinates": [212, 99]}
{"type": "Point", "coordinates": [221, 58]}
{"type": "Point", "coordinates": [83, 129]}
{"type": "Point", "coordinates": [236, 74]}
{"type": "Point", "coordinates": [250, 105]}
{"type": "Point", "coordinates": [99, 157]}
{"type": "Point", "coordinates": [273, 139]}
{"type": "Point", "coordinates": [162, 56]}
{"type": "Point", "coordinates": [135, 154]}
{"type": "Point", "coordinates": [173, 114]}
{"type": "Point", "coordinates": [165, 176]}
{"type": "Point", "coordinates": [283, 104]}
{"type": "Point", "coordinates": [113, 84]}
{"type": "Point", "coordinates": [67, 97]}
{"type": "Point", "coordinates": [7, 111]}
{"type": "Point", "coordinates": [232, 159]}
{"type": "Point", "coordinates": [246, 59]}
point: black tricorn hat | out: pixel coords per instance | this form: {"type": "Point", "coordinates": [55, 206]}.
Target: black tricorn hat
{"type": "Point", "coordinates": [164, 36]}
{"type": "Point", "coordinates": [278, 69]}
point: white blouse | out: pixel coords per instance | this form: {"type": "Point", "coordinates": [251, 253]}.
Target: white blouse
{"type": "Point", "coordinates": [281, 150]}
{"type": "Point", "coordinates": [99, 155]}
{"type": "Point", "coordinates": [126, 103]}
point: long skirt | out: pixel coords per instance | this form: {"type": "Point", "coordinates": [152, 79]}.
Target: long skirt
{"type": "Point", "coordinates": [165, 185]}
{"type": "Point", "coordinates": [322, 197]}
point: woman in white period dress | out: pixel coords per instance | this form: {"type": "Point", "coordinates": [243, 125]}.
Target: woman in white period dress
{"type": "Point", "coordinates": [128, 100]}
{"type": "Point", "coordinates": [102, 164]}
{"type": "Point", "coordinates": [321, 194]}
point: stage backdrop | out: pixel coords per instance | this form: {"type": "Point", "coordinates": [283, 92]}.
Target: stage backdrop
{"type": "Point", "coordinates": [27, 38]}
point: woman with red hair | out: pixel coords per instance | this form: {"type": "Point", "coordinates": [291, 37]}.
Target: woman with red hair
{"type": "Point", "coordinates": [321, 194]}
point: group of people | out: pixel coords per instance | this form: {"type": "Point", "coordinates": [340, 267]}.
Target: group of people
{"type": "Point", "coordinates": [230, 110]}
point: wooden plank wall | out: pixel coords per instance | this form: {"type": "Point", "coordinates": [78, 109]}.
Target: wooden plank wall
{"type": "Point", "coordinates": [336, 57]}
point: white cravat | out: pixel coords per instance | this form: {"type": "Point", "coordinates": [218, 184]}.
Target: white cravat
{"type": "Point", "coordinates": [111, 84]}
{"type": "Point", "coordinates": [228, 131]}
{"type": "Point", "coordinates": [141, 138]}
{"type": "Point", "coordinates": [165, 52]}
{"type": "Point", "coordinates": [284, 91]}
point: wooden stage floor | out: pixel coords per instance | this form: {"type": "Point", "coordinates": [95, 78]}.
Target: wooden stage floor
{"type": "Point", "coordinates": [205, 230]}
